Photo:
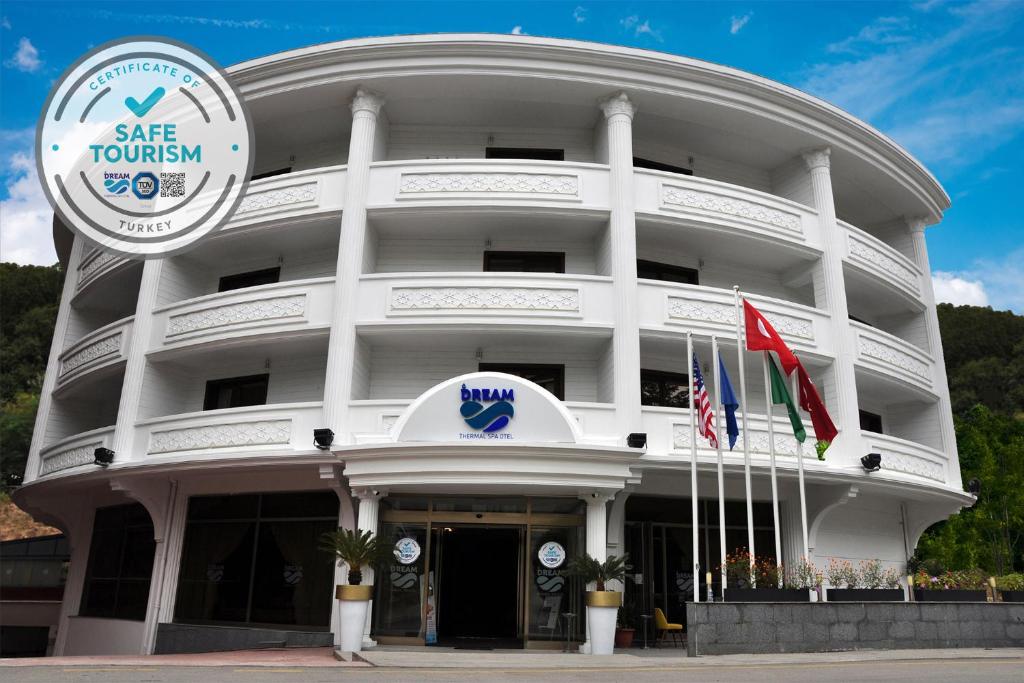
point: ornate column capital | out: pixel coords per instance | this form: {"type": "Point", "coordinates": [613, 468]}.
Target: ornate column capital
{"type": "Point", "coordinates": [597, 498]}
{"type": "Point", "coordinates": [366, 100]}
{"type": "Point", "coordinates": [370, 494]}
{"type": "Point", "coordinates": [617, 104]}
{"type": "Point", "coordinates": [818, 158]}
{"type": "Point", "coordinates": [915, 223]}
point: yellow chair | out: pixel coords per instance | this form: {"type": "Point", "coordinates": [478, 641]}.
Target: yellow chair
{"type": "Point", "coordinates": [664, 628]}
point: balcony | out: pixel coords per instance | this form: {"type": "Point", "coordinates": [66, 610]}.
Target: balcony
{"type": "Point", "coordinates": [250, 432]}
{"type": "Point", "coordinates": [74, 451]}
{"type": "Point", "coordinates": [313, 192]}
{"type": "Point", "coordinates": [891, 359]}
{"type": "Point", "coordinates": [909, 458]}
{"type": "Point", "coordinates": [95, 264]}
{"type": "Point", "coordinates": [671, 309]}
{"type": "Point", "coordinates": [427, 299]}
{"type": "Point", "coordinates": [292, 308]}
{"type": "Point", "coordinates": [102, 348]}
{"type": "Point", "coordinates": [726, 209]}
{"type": "Point", "coordinates": [869, 256]}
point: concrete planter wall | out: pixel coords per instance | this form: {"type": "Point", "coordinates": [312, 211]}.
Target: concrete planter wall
{"type": "Point", "coordinates": [865, 595]}
{"type": "Point", "coordinates": [767, 595]}
{"type": "Point", "coordinates": [739, 628]}
{"type": "Point", "coordinates": [955, 595]}
{"type": "Point", "coordinates": [1012, 596]}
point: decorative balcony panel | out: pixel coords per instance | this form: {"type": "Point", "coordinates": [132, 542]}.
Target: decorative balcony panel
{"type": "Point", "coordinates": [74, 451]}
{"type": "Point", "coordinates": [274, 427]}
{"type": "Point", "coordinates": [454, 299]}
{"type": "Point", "coordinates": [492, 183]}
{"type": "Point", "coordinates": [280, 307]}
{"type": "Point", "coordinates": [94, 264]}
{"type": "Point", "coordinates": [893, 357]}
{"type": "Point", "coordinates": [302, 193]}
{"type": "Point", "coordinates": [709, 310]}
{"type": "Point", "coordinates": [907, 457]}
{"type": "Point", "coordinates": [100, 348]}
{"type": "Point", "coordinates": [877, 258]}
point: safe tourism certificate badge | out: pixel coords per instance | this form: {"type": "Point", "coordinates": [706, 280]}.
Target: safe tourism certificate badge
{"type": "Point", "coordinates": [144, 147]}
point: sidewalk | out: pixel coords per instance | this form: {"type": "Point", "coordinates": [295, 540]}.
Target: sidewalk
{"type": "Point", "coordinates": [276, 658]}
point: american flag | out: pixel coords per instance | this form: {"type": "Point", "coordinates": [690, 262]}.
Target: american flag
{"type": "Point", "coordinates": [705, 417]}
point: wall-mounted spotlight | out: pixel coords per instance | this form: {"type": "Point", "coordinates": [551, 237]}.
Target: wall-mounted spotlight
{"type": "Point", "coordinates": [637, 440]}
{"type": "Point", "coordinates": [872, 462]}
{"type": "Point", "coordinates": [323, 438]}
{"type": "Point", "coordinates": [974, 486]}
{"type": "Point", "coordinates": [103, 456]}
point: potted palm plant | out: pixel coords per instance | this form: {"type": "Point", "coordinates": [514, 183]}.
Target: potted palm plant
{"type": "Point", "coordinates": [357, 550]}
{"type": "Point", "coordinates": [602, 605]}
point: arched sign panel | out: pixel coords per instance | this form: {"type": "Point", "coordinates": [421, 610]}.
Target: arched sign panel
{"type": "Point", "coordinates": [487, 408]}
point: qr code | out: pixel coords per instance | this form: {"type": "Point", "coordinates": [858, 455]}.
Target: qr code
{"type": "Point", "coordinates": [172, 184]}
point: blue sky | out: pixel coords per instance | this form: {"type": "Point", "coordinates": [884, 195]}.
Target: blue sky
{"type": "Point", "coordinates": [944, 79]}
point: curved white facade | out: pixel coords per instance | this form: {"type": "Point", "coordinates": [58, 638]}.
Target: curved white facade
{"type": "Point", "coordinates": [379, 230]}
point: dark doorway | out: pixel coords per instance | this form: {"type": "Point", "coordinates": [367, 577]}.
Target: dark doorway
{"type": "Point", "coordinates": [479, 587]}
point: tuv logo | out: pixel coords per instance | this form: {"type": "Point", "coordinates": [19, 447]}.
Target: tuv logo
{"type": "Point", "coordinates": [487, 418]}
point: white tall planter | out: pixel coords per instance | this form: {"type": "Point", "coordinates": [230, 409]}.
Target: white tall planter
{"type": "Point", "coordinates": [602, 614]}
{"type": "Point", "coordinates": [354, 601]}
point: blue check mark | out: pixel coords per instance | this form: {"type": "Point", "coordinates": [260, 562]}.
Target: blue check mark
{"type": "Point", "coordinates": [140, 109]}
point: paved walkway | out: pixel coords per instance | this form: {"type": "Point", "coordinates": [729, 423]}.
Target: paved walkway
{"type": "Point", "coordinates": [284, 657]}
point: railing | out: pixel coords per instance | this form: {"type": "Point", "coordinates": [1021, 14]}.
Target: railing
{"type": "Point", "coordinates": [253, 430]}
{"type": "Point", "coordinates": [96, 263]}
{"type": "Point", "coordinates": [723, 206]}
{"type": "Point", "coordinates": [482, 182]}
{"type": "Point", "coordinates": [669, 306]}
{"type": "Point", "coordinates": [891, 356]}
{"type": "Point", "coordinates": [372, 421]}
{"type": "Point", "coordinates": [668, 433]}
{"type": "Point", "coordinates": [908, 457]}
{"type": "Point", "coordinates": [74, 451]}
{"type": "Point", "coordinates": [877, 258]}
{"type": "Point", "coordinates": [578, 298]}
{"type": "Point", "coordinates": [281, 307]}
{"type": "Point", "coordinates": [317, 190]}
{"type": "Point", "coordinates": [98, 349]}
{"type": "Point", "coordinates": [597, 422]}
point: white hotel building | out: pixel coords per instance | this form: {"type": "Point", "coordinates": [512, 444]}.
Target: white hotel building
{"type": "Point", "coordinates": [430, 207]}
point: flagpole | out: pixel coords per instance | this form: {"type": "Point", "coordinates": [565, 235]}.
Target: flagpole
{"type": "Point", "coordinates": [746, 439]}
{"type": "Point", "coordinates": [721, 474]}
{"type": "Point", "coordinates": [771, 457]}
{"type": "Point", "coordinates": [800, 472]}
{"type": "Point", "coordinates": [693, 473]}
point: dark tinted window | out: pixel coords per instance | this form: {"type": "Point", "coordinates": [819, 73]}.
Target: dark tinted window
{"type": "Point", "coordinates": [250, 279]}
{"type": "Point", "coordinates": [652, 270]}
{"type": "Point", "coordinates": [524, 261]}
{"type": "Point", "coordinates": [639, 162]}
{"type": "Point", "coordinates": [235, 392]}
{"type": "Point", "coordinates": [664, 389]}
{"type": "Point", "coordinates": [870, 422]}
{"type": "Point", "coordinates": [538, 153]}
{"type": "Point", "coordinates": [120, 564]}
{"type": "Point", "coordinates": [271, 174]}
{"type": "Point", "coordinates": [551, 377]}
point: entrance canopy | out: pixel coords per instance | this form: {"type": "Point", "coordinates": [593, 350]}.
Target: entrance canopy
{"type": "Point", "coordinates": [489, 432]}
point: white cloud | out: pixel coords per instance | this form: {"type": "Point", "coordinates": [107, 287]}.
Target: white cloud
{"type": "Point", "coordinates": [882, 31]}
{"type": "Point", "coordinates": [988, 282]}
{"type": "Point", "coordinates": [640, 28]}
{"type": "Point", "coordinates": [736, 24]}
{"type": "Point", "coordinates": [517, 31]}
{"type": "Point", "coordinates": [25, 58]}
{"type": "Point", "coordinates": [579, 14]}
{"type": "Point", "coordinates": [952, 289]}
{"type": "Point", "coordinates": [26, 219]}
{"type": "Point", "coordinates": [5, 23]}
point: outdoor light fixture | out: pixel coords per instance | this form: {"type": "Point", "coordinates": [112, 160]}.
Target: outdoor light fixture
{"type": "Point", "coordinates": [872, 462]}
{"type": "Point", "coordinates": [323, 438]}
{"type": "Point", "coordinates": [974, 486]}
{"type": "Point", "coordinates": [103, 456]}
{"type": "Point", "coordinates": [637, 440]}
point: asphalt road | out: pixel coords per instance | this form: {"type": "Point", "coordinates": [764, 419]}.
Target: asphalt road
{"type": "Point", "coordinates": [989, 670]}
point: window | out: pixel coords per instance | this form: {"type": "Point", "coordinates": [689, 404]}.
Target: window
{"type": "Point", "coordinates": [524, 261]}
{"type": "Point", "coordinates": [271, 174]}
{"type": "Point", "coordinates": [664, 389]}
{"type": "Point", "coordinates": [870, 422]}
{"type": "Point", "coordinates": [639, 162]}
{"type": "Point", "coordinates": [235, 392]}
{"type": "Point", "coordinates": [255, 558]}
{"type": "Point", "coordinates": [253, 278]}
{"type": "Point", "coordinates": [551, 377]}
{"type": "Point", "coordinates": [120, 564]}
{"type": "Point", "coordinates": [652, 270]}
{"type": "Point", "coordinates": [539, 153]}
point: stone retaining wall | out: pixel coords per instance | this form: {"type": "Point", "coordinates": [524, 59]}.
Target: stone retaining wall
{"type": "Point", "coordinates": [746, 627]}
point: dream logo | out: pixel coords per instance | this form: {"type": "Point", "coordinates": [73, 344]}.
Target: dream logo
{"type": "Point", "coordinates": [492, 418]}
{"type": "Point", "coordinates": [116, 183]}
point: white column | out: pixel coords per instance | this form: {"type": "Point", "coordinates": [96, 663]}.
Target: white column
{"type": "Point", "coordinates": [597, 541]}
{"type": "Point", "coordinates": [367, 520]}
{"type": "Point", "coordinates": [831, 284]}
{"type": "Point", "coordinates": [947, 433]}
{"type": "Point", "coordinates": [340, 357]}
{"type": "Point", "coordinates": [135, 365]}
{"type": "Point", "coordinates": [618, 112]}
{"type": "Point", "coordinates": [60, 331]}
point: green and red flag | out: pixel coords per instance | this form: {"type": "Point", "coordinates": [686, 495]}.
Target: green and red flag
{"type": "Point", "coordinates": [824, 429]}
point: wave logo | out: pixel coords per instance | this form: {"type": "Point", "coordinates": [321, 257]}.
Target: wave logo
{"type": "Point", "coordinates": [550, 583]}
{"type": "Point", "coordinates": [115, 183]}
{"type": "Point", "coordinates": [492, 418]}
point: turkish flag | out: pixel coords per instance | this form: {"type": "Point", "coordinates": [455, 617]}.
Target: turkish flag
{"type": "Point", "coordinates": [761, 336]}
{"type": "Point", "coordinates": [824, 429]}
